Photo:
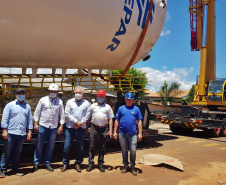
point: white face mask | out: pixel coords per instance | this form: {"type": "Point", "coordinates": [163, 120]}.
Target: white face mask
{"type": "Point", "coordinates": [78, 96]}
{"type": "Point", "coordinates": [53, 95]}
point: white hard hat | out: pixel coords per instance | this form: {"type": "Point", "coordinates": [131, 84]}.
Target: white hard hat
{"type": "Point", "coordinates": [60, 92]}
{"type": "Point", "coordinates": [53, 87]}
{"type": "Point", "coordinates": [93, 100]}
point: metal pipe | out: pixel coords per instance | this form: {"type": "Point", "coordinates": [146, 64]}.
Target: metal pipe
{"type": "Point", "coordinates": [205, 20]}
{"type": "Point", "coordinates": [203, 54]}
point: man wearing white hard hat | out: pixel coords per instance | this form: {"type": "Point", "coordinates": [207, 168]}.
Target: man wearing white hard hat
{"type": "Point", "coordinates": [49, 109]}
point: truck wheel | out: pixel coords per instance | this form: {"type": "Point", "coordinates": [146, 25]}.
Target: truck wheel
{"type": "Point", "coordinates": [214, 132]}
{"type": "Point", "coordinates": [175, 130]}
{"type": "Point", "coordinates": [186, 131]}
{"type": "Point", "coordinates": [223, 132]}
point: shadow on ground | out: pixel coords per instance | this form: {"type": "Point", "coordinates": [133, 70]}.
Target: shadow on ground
{"type": "Point", "coordinates": [111, 148]}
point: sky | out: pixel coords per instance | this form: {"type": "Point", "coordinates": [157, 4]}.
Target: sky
{"type": "Point", "coordinates": [172, 59]}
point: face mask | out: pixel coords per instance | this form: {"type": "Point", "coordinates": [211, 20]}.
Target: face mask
{"type": "Point", "coordinates": [100, 100]}
{"type": "Point", "coordinates": [52, 95]}
{"type": "Point", "coordinates": [78, 96]}
{"type": "Point", "coordinates": [21, 97]}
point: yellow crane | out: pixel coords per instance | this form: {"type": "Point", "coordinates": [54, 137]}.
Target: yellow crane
{"type": "Point", "coordinates": [209, 92]}
{"type": "Point", "coordinates": [208, 111]}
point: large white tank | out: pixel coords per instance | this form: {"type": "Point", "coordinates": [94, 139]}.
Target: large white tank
{"type": "Point", "coordinates": [89, 34]}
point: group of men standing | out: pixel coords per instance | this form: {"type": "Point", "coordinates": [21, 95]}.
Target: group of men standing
{"type": "Point", "coordinates": [17, 122]}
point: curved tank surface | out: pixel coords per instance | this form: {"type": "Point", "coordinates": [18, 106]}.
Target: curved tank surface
{"type": "Point", "coordinates": [81, 34]}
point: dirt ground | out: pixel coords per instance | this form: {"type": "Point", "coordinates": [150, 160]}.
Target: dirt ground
{"type": "Point", "coordinates": [203, 160]}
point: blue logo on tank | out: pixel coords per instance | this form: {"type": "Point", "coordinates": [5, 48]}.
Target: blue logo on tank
{"type": "Point", "coordinates": [128, 7]}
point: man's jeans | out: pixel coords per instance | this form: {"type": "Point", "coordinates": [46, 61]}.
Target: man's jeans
{"type": "Point", "coordinates": [70, 135]}
{"type": "Point", "coordinates": [128, 142]}
{"type": "Point", "coordinates": [12, 147]}
{"type": "Point", "coordinates": [100, 135]}
{"type": "Point", "coordinates": [49, 135]}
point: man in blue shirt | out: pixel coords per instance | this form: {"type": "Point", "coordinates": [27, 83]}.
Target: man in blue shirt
{"type": "Point", "coordinates": [126, 118]}
{"type": "Point", "coordinates": [16, 119]}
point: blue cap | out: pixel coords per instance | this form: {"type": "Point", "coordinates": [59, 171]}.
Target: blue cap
{"type": "Point", "coordinates": [129, 95]}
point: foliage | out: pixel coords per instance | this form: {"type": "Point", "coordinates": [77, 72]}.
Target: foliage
{"type": "Point", "coordinates": [139, 89]}
{"type": "Point", "coordinates": [169, 92]}
{"type": "Point", "coordinates": [190, 96]}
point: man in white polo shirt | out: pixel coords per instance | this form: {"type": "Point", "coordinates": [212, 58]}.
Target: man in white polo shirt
{"type": "Point", "coordinates": [101, 117]}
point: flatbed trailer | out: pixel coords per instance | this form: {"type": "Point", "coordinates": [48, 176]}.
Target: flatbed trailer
{"type": "Point", "coordinates": [190, 118]}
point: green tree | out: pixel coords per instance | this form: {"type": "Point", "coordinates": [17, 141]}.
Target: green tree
{"type": "Point", "coordinates": [138, 89]}
{"type": "Point", "coordinates": [190, 96]}
{"type": "Point", "coordinates": [169, 92]}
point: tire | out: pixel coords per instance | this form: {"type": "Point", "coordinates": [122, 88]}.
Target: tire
{"type": "Point", "coordinates": [223, 132]}
{"type": "Point", "coordinates": [186, 131]}
{"type": "Point", "coordinates": [181, 131]}
{"type": "Point", "coordinates": [175, 130]}
{"type": "Point", "coordinates": [214, 132]}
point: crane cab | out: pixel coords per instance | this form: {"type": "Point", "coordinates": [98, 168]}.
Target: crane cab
{"type": "Point", "coordinates": [217, 92]}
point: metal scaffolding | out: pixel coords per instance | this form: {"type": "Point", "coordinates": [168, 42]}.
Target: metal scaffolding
{"type": "Point", "coordinates": [39, 85]}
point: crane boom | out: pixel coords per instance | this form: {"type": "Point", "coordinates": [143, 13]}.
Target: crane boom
{"type": "Point", "coordinates": [203, 16]}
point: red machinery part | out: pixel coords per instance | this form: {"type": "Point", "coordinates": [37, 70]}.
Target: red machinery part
{"type": "Point", "coordinates": [193, 25]}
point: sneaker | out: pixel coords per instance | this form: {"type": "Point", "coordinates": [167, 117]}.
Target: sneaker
{"type": "Point", "coordinates": [89, 168]}
{"type": "Point", "coordinates": [133, 170]}
{"type": "Point", "coordinates": [2, 174]}
{"type": "Point", "coordinates": [125, 169]}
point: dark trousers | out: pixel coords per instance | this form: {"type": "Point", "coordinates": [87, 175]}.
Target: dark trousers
{"type": "Point", "coordinates": [70, 135]}
{"type": "Point", "coordinates": [100, 135]}
{"type": "Point", "coordinates": [12, 147]}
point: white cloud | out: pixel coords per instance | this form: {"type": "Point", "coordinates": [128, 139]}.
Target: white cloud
{"type": "Point", "coordinates": [157, 78]}
{"type": "Point", "coordinates": [168, 17]}
{"type": "Point", "coordinates": [164, 33]}
{"type": "Point", "coordinates": [183, 72]}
